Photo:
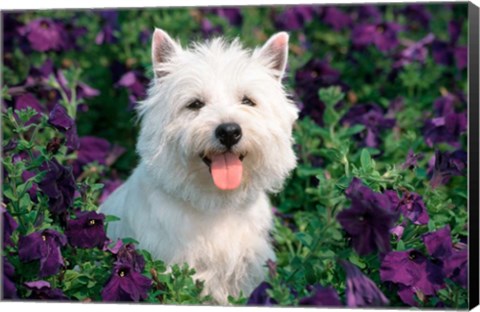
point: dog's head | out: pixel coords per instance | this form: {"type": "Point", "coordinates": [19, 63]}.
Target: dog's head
{"type": "Point", "coordinates": [217, 121]}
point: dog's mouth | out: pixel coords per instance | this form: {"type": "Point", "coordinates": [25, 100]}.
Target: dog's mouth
{"type": "Point", "coordinates": [226, 169]}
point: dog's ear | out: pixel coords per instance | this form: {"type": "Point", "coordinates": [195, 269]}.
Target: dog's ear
{"type": "Point", "coordinates": [275, 53]}
{"type": "Point", "coordinates": [163, 48]}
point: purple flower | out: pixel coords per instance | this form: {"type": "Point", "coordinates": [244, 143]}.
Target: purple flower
{"type": "Point", "coordinates": [136, 85]}
{"type": "Point", "coordinates": [126, 284]}
{"type": "Point", "coordinates": [110, 25]}
{"type": "Point", "coordinates": [315, 74]}
{"type": "Point", "coordinates": [86, 230]}
{"type": "Point", "coordinates": [260, 297]}
{"type": "Point", "coordinates": [411, 206]}
{"type": "Point", "coordinates": [9, 288]}
{"type": "Point", "coordinates": [417, 14]}
{"type": "Point", "coordinates": [455, 262]}
{"type": "Point", "coordinates": [109, 187]}
{"type": "Point", "coordinates": [322, 297]}
{"type": "Point", "coordinates": [368, 13]}
{"type": "Point", "coordinates": [373, 118]}
{"type": "Point", "coordinates": [397, 231]}
{"type": "Point", "coordinates": [412, 159]}
{"type": "Point", "coordinates": [45, 35]}
{"type": "Point", "coordinates": [449, 53]}
{"type": "Point", "coordinates": [129, 256]}
{"type": "Point", "coordinates": [27, 100]}
{"type": "Point", "coordinates": [445, 129]}
{"type": "Point", "coordinates": [42, 290]}
{"type": "Point", "coordinates": [414, 273]}
{"type": "Point", "coordinates": [361, 291]}
{"type": "Point", "coordinates": [93, 149]}
{"type": "Point", "coordinates": [60, 119]}
{"type": "Point", "coordinates": [336, 18]}
{"type": "Point", "coordinates": [414, 52]}
{"type": "Point", "coordinates": [444, 165]}
{"type": "Point", "coordinates": [383, 35]}
{"type": "Point", "coordinates": [232, 15]}
{"type": "Point", "coordinates": [368, 220]}
{"type": "Point", "coordinates": [295, 17]}
{"type": "Point", "coordinates": [44, 246]}
{"type": "Point", "coordinates": [208, 29]}
{"type": "Point", "coordinates": [59, 185]}
{"type": "Point", "coordinates": [9, 226]}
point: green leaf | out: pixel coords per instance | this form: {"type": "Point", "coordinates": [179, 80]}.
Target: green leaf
{"type": "Point", "coordinates": [366, 160]}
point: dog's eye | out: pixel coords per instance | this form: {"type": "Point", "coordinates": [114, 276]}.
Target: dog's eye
{"type": "Point", "coordinates": [247, 101]}
{"type": "Point", "coordinates": [195, 105]}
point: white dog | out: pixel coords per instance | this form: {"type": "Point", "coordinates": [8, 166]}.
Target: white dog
{"type": "Point", "coordinates": [215, 139]}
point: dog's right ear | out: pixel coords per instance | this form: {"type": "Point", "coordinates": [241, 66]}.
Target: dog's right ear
{"type": "Point", "coordinates": [163, 48]}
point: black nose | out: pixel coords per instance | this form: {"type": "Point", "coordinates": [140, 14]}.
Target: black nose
{"type": "Point", "coordinates": [228, 134]}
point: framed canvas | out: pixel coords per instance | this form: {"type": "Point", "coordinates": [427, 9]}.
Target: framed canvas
{"type": "Point", "coordinates": [301, 155]}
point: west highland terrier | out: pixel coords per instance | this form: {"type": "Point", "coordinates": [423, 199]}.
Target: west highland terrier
{"type": "Point", "coordinates": [216, 137]}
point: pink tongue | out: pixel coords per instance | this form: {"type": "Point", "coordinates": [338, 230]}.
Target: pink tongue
{"type": "Point", "coordinates": [226, 171]}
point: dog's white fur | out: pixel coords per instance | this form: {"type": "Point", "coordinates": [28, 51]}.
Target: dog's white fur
{"type": "Point", "coordinates": [170, 204]}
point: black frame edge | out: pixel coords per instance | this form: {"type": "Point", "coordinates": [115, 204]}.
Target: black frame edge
{"type": "Point", "coordinates": [473, 137]}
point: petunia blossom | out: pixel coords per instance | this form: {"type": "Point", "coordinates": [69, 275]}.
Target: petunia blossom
{"type": "Point", "coordinates": [41, 290]}
{"type": "Point", "coordinates": [44, 246]}
{"type": "Point", "coordinates": [8, 285]}
{"type": "Point", "coordinates": [86, 230]}
{"type": "Point", "coordinates": [361, 291]}
{"type": "Point", "coordinates": [126, 284]}
{"type": "Point", "coordinates": [368, 220]}
{"type": "Point", "coordinates": [59, 185]}
{"type": "Point", "coordinates": [260, 297]}
{"type": "Point", "coordinates": [321, 297]}
{"type": "Point", "coordinates": [9, 226]}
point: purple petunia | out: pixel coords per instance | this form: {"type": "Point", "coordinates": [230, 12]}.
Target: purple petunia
{"type": "Point", "coordinates": [418, 15]}
{"type": "Point", "coordinates": [444, 165]}
{"type": "Point", "coordinates": [60, 119]}
{"type": "Point", "coordinates": [383, 35]}
{"type": "Point", "coordinates": [411, 206]}
{"type": "Point", "coordinates": [44, 246]}
{"type": "Point", "coordinates": [94, 149]}
{"type": "Point", "coordinates": [59, 185]}
{"type": "Point", "coordinates": [361, 291]}
{"type": "Point", "coordinates": [455, 262]}
{"type": "Point", "coordinates": [368, 220]}
{"type": "Point", "coordinates": [413, 272]}
{"type": "Point", "coordinates": [45, 35]}
{"type": "Point", "coordinates": [295, 17]}
{"type": "Point", "coordinates": [449, 52]}
{"type": "Point", "coordinates": [110, 26]}
{"type": "Point", "coordinates": [373, 118]}
{"type": "Point", "coordinates": [336, 18]}
{"type": "Point", "coordinates": [129, 256]}
{"type": "Point", "coordinates": [8, 286]}
{"type": "Point", "coordinates": [322, 297]}
{"type": "Point", "coordinates": [368, 13]}
{"type": "Point", "coordinates": [126, 284]}
{"type": "Point", "coordinates": [43, 291]}
{"type": "Point", "coordinates": [260, 297]}
{"type": "Point", "coordinates": [9, 226]}
{"type": "Point", "coordinates": [412, 159]}
{"type": "Point", "coordinates": [315, 74]}
{"type": "Point", "coordinates": [414, 52]}
{"type": "Point", "coordinates": [136, 84]}
{"type": "Point", "coordinates": [86, 230]}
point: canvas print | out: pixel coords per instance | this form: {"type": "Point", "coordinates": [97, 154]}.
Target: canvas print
{"type": "Point", "coordinates": [303, 155]}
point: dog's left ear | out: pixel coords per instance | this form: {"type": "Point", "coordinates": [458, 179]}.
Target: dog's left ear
{"type": "Point", "coordinates": [275, 53]}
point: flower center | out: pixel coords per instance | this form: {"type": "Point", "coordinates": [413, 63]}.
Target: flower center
{"type": "Point", "coordinates": [44, 238]}
{"type": "Point", "coordinates": [121, 273]}
{"type": "Point", "coordinates": [44, 25]}
{"type": "Point", "coordinates": [91, 222]}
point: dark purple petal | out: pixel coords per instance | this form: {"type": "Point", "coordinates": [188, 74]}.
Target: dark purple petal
{"type": "Point", "coordinates": [44, 246]}
{"type": "Point", "coordinates": [444, 165]}
{"type": "Point", "coordinates": [87, 230]}
{"type": "Point", "coordinates": [9, 288]}
{"type": "Point", "coordinates": [322, 297]}
{"type": "Point", "coordinates": [295, 17]}
{"type": "Point", "coordinates": [126, 284]}
{"type": "Point", "coordinates": [461, 57]}
{"type": "Point", "coordinates": [412, 159]}
{"type": "Point", "coordinates": [59, 185]}
{"type": "Point", "coordinates": [9, 226]}
{"type": "Point", "coordinates": [369, 219]}
{"type": "Point", "coordinates": [42, 290]}
{"type": "Point", "coordinates": [439, 243]}
{"type": "Point", "coordinates": [361, 291]}
{"type": "Point", "coordinates": [413, 208]}
{"type": "Point", "coordinates": [418, 13]}
{"type": "Point", "coordinates": [129, 256]}
{"type": "Point", "coordinates": [232, 15]}
{"type": "Point", "coordinates": [44, 35]}
{"type": "Point", "coordinates": [91, 149]}
{"type": "Point", "coordinates": [260, 297]}
{"type": "Point", "coordinates": [336, 18]}
{"type": "Point", "coordinates": [60, 119]}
